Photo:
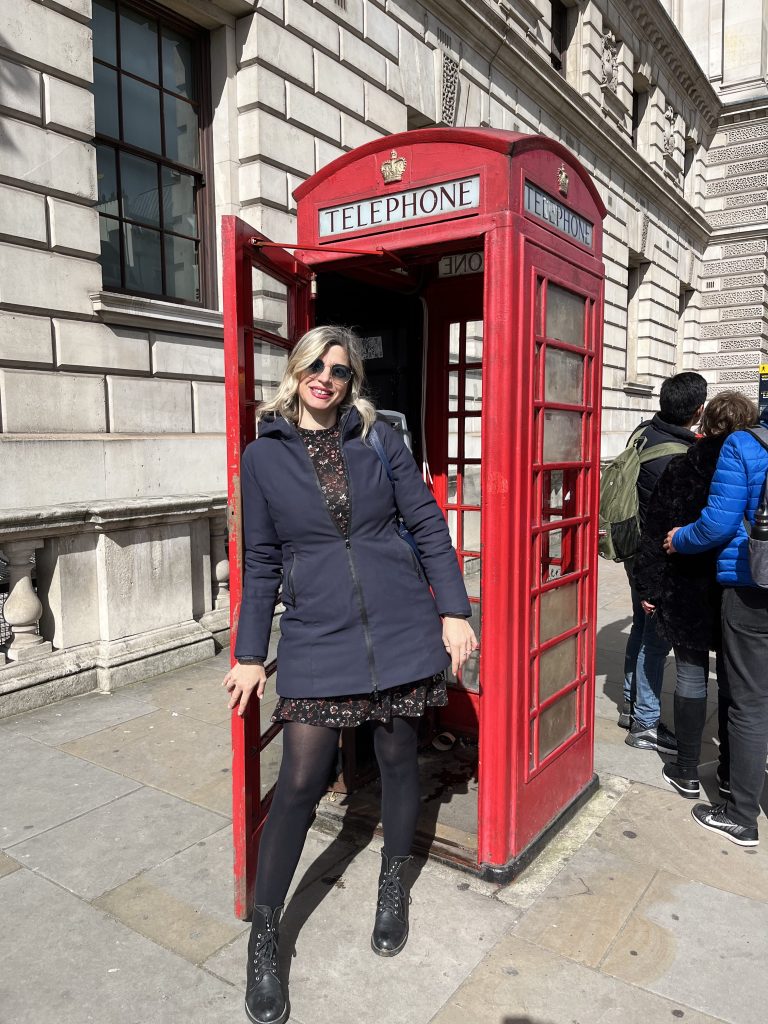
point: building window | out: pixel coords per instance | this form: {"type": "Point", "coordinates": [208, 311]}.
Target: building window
{"type": "Point", "coordinates": [637, 270]}
{"type": "Point", "coordinates": [559, 36]}
{"type": "Point", "coordinates": [639, 111]}
{"type": "Point", "coordinates": [151, 99]}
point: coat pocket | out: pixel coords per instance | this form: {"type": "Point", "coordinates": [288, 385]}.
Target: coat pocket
{"type": "Point", "coordinates": [415, 564]}
{"type": "Point", "coordinates": [289, 583]}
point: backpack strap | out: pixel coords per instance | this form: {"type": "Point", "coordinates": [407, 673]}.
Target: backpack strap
{"type": "Point", "coordinates": [659, 451]}
{"type": "Point", "coordinates": [378, 447]}
{"type": "Point", "coordinates": [760, 434]}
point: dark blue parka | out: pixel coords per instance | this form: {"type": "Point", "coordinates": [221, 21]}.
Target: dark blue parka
{"type": "Point", "coordinates": [359, 615]}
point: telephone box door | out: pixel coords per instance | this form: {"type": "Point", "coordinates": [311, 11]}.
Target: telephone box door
{"type": "Point", "coordinates": [263, 285]}
{"type": "Point", "coordinates": [563, 311]}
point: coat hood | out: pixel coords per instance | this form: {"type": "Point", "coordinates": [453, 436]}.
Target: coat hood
{"type": "Point", "coordinates": [276, 426]}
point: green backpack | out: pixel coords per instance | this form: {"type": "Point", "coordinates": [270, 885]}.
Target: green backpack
{"type": "Point", "coordinates": [619, 536]}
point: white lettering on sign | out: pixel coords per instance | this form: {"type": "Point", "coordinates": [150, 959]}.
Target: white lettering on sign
{"type": "Point", "coordinates": [461, 263]}
{"type": "Point", "coordinates": [396, 207]}
{"type": "Point", "coordinates": [372, 347]}
{"type": "Point", "coordinates": [553, 212]}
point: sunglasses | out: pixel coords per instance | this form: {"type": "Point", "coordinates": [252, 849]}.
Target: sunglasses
{"type": "Point", "coordinates": [339, 371]}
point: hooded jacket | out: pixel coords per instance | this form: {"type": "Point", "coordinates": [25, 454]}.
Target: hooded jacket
{"type": "Point", "coordinates": [737, 487]}
{"type": "Point", "coordinates": [684, 590]}
{"type": "Point", "coordinates": [359, 614]}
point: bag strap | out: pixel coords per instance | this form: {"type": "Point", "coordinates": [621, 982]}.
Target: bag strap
{"type": "Point", "coordinates": [659, 451]}
{"type": "Point", "coordinates": [760, 434]}
{"type": "Point", "coordinates": [378, 447]}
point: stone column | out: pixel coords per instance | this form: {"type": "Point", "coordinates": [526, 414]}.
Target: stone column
{"type": "Point", "coordinates": [23, 609]}
{"type": "Point", "coordinates": [219, 561]}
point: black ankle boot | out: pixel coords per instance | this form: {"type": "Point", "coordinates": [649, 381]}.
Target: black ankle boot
{"type": "Point", "coordinates": [390, 930]}
{"type": "Point", "coordinates": [265, 1002]}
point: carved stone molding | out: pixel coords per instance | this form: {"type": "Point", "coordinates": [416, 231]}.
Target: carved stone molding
{"type": "Point", "coordinates": [745, 281]}
{"type": "Point", "coordinates": [750, 390]}
{"type": "Point", "coordinates": [747, 248]}
{"type": "Point", "coordinates": [723, 360]}
{"type": "Point", "coordinates": [736, 344]}
{"type": "Point", "coordinates": [609, 70]}
{"type": "Point", "coordinates": [670, 117]}
{"type": "Point", "coordinates": [750, 167]}
{"type": "Point", "coordinates": [746, 133]}
{"type": "Point", "coordinates": [731, 330]}
{"type": "Point", "coordinates": [714, 268]}
{"type": "Point", "coordinates": [732, 298]}
{"type": "Point", "coordinates": [748, 199]}
{"type": "Point", "coordinates": [729, 186]}
{"type": "Point", "coordinates": [449, 90]}
{"type": "Point", "coordinates": [730, 218]}
{"type": "Point", "coordinates": [725, 154]}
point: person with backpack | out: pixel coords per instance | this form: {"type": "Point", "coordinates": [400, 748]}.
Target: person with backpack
{"type": "Point", "coordinates": [623, 508]}
{"type": "Point", "coordinates": [683, 593]}
{"type": "Point", "coordinates": [738, 490]}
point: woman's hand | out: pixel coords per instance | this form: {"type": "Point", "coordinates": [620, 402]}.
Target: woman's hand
{"type": "Point", "coordinates": [459, 639]}
{"type": "Point", "coordinates": [669, 547]}
{"type": "Point", "coordinates": [648, 608]}
{"type": "Point", "coordinates": [241, 681]}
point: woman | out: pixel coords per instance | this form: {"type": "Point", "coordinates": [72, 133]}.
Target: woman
{"type": "Point", "coordinates": [683, 593]}
{"type": "Point", "coordinates": [363, 638]}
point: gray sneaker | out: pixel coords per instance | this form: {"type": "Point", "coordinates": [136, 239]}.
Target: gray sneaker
{"type": "Point", "coordinates": [658, 737]}
{"type": "Point", "coordinates": [625, 715]}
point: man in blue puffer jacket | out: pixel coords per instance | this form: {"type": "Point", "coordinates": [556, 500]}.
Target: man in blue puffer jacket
{"type": "Point", "coordinates": [735, 493]}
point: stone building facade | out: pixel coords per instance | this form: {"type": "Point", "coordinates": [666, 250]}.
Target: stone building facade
{"type": "Point", "coordinates": [112, 502]}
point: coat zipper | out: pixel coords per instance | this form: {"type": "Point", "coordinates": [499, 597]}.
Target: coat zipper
{"type": "Point", "coordinates": [356, 579]}
{"type": "Point", "coordinates": [350, 558]}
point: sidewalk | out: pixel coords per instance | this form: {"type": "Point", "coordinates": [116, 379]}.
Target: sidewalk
{"type": "Point", "coordinates": [115, 886]}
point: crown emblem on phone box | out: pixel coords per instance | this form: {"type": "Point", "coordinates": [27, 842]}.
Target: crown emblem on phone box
{"type": "Point", "coordinates": [394, 168]}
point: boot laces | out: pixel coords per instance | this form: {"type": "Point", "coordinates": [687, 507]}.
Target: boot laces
{"type": "Point", "coordinates": [391, 895]}
{"type": "Point", "coordinates": [265, 951]}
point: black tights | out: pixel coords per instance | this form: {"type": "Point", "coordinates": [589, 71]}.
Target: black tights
{"type": "Point", "coordinates": [309, 756]}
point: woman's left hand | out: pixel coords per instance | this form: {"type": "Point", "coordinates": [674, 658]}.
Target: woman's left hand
{"type": "Point", "coordinates": [459, 639]}
{"type": "Point", "coordinates": [669, 545]}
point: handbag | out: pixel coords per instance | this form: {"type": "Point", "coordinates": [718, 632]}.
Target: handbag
{"type": "Point", "coordinates": [402, 529]}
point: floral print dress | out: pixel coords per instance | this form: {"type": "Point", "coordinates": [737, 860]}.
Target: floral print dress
{"type": "Point", "coordinates": [407, 701]}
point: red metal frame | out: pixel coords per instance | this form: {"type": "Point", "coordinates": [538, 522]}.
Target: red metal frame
{"type": "Point", "coordinates": [239, 258]}
{"type": "Point", "coordinates": [520, 793]}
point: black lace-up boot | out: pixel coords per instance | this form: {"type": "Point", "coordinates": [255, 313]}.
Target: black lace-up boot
{"type": "Point", "coordinates": [390, 930]}
{"type": "Point", "coordinates": [265, 1002]}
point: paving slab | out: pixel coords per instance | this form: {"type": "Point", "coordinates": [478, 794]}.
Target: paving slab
{"type": "Point", "coordinates": [75, 717]}
{"type": "Point", "coordinates": [185, 903]}
{"type": "Point", "coordinates": [520, 983]}
{"type": "Point", "coordinates": [7, 865]}
{"type": "Point", "coordinates": [103, 848]}
{"type": "Point", "coordinates": [183, 756]}
{"type": "Point", "coordinates": [44, 787]}
{"type": "Point", "coordinates": [72, 964]}
{"type": "Point", "coordinates": [194, 691]}
{"type": "Point", "coordinates": [523, 891]}
{"type": "Point", "coordinates": [585, 907]}
{"type": "Point", "coordinates": [328, 921]}
{"type": "Point", "coordinates": [654, 828]}
{"type": "Point", "coordinates": [700, 945]}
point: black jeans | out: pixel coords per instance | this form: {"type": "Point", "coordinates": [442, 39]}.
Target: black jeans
{"type": "Point", "coordinates": [745, 653]}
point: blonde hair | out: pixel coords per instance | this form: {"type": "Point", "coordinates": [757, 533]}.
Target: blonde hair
{"type": "Point", "coordinates": [313, 345]}
{"type": "Point", "coordinates": [726, 412]}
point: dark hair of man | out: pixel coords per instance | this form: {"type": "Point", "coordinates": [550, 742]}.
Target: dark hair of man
{"type": "Point", "coordinates": [726, 412]}
{"type": "Point", "coordinates": [681, 396]}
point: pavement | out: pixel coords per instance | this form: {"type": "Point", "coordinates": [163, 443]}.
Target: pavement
{"type": "Point", "coordinates": [115, 885]}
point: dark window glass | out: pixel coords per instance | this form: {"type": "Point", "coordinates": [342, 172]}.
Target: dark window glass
{"type": "Point", "coordinates": [559, 35]}
{"type": "Point", "coordinates": [143, 259]}
{"type": "Point", "coordinates": [138, 44]}
{"type": "Point", "coordinates": [106, 176]}
{"type": "Point", "coordinates": [109, 230]}
{"type": "Point", "coordinates": [178, 64]}
{"type": "Point", "coordinates": [141, 114]}
{"type": "Point", "coordinates": [104, 35]}
{"type": "Point", "coordinates": [181, 272]}
{"type": "Point", "coordinates": [105, 100]}
{"type": "Point", "coordinates": [147, 76]}
{"type": "Point", "coordinates": [179, 202]}
{"type": "Point", "coordinates": [182, 136]}
{"type": "Point", "coordinates": [138, 187]}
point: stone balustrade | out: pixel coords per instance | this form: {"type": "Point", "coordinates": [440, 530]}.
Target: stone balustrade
{"type": "Point", "coordinates": [104, 593]}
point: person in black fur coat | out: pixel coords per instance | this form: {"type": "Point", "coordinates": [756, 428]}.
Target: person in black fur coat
{"type": "Point", "coordinates": [683, 592]}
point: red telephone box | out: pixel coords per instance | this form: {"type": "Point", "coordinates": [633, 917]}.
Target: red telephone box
{"type": "Point", "coordinates": [471, 262]}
